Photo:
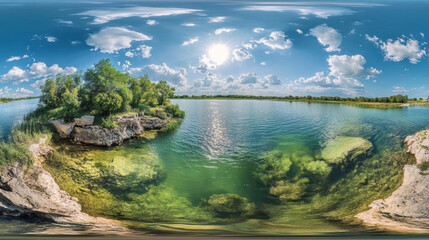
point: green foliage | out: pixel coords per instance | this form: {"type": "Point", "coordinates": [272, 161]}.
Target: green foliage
{"type": "Point", "coordinates": [107, 103]}
{"type": "Point", "coordinates": [165, 92]}
{"type": "Point", "coordinates": [171, 126]}
{"type": "Point", "coordinates": [143, 107]}
{"type": "Point", "coordinates": [175, 111]}
{"type": "Point", "coordinates": [70, 104]}
{"type": "Point", "coordinates": [229, 205]}
{"type": "Point", "coordinates": [108, 122]}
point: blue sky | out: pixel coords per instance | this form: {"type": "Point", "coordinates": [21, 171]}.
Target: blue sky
{"type": "Point", "coordinates": [371, 48]}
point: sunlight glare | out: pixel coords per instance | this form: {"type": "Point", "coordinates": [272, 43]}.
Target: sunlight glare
{"type": "Point", "coordinates": [218, 53]}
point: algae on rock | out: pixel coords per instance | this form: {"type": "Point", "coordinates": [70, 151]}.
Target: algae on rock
{"type": "Point", "coordinates": [344, 150]}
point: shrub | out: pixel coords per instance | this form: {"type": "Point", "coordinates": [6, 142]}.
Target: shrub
{"type": "Point", "coordinates": [71, 104]}
{"type": "Point", "coordinates": [175, 111]}
{"type": "Point", "coordinates": [143, 107]}
{"type": "Point", "coordinates": [108, 122]}
{"type": "Point", "coordinates": [109, 102]}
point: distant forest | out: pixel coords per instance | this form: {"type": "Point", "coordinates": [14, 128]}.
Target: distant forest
{"type": "Point", "coordinates": [392, 99]}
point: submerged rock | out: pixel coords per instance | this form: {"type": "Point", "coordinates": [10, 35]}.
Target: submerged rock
{"type": "Point", "coordinates": [290, 191]}
{"type": "Point", "coordinates": [343, 150]}
{"type": "Point", "coordinates": [230, 205]}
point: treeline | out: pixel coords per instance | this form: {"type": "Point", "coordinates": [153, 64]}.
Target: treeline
{"type": "Point", "coordinates": [5, 100]}
{"type": "Point", "coordinates": [392, 99]}
{"type": "Point", "coordinates": [103, 91]}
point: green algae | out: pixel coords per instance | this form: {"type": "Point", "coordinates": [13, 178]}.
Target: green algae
{"type": "Point", "coordinates": [229, 206]}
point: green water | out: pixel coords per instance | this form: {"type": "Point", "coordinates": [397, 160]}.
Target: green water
{"type": "Point", "coordinates": [165, 185]}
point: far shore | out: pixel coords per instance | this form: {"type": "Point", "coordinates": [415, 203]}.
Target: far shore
{"type": "Point", "coordinates": [6, 100]}
{"type": "Point", "coordinates": [380, 105]}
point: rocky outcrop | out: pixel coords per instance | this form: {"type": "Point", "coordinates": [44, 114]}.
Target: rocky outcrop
{"type": "Point", "coordinates": [63, 128]}
{"type": "Point", "coordinates": [32, 192]}
{"type": "Point", "coordinates": [343, 150]}
{"type": "Point", "coordinates": [86, 120]}
{"type": "Point", "coordinates": [407, 209]}
{"type": "Point", "coordinates": [129, 126]}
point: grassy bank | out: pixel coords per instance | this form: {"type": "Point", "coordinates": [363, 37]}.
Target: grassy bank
{"type": "Point", "coordinates": [397, 101]}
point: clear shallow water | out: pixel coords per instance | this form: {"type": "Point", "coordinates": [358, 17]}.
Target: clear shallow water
{"type": "Point", "coordinates": [217, 149]}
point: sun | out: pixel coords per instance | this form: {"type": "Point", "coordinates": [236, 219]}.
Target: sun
{"type": "Point", "coordinates": [218, 53]}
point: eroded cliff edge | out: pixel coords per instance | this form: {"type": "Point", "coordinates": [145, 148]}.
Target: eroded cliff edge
{"type": "Point", "coordinates": [407, 209]}
{"type": "Point", "coordinates": [31, 192]}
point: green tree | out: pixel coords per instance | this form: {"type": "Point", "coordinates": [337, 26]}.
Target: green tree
{"type": "Point", "coordinates": [107, 103]}
{"type": "Point", "coordinates": [165, 92]}
{"type": "Point", "coordinates": [70, 104]}
{"type": "Point", "coordinates": [49, 97]}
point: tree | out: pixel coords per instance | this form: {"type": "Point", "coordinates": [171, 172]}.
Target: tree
{"type": "Point", "coordinates": [107, 103]}
{"type": "Point", "coordinates": [49, 97]}
{"type": "Point", "coordinates": [71, 104]}
{"type": "Point", "coordinates": [165, 92]}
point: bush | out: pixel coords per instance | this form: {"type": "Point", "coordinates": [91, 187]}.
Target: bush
{"type": "Point", "coordinates": [107, 103]}
{"type": "Point", "coordinates": [171, 126]}
{"type": "Point", "coordinates": [71, 104]}
{"type": "Point", "coordinates": [143, 107]}
{"type": "Point", "coordinates": [175, 111]}
{"type": "Point", "coordinates": [108, 122]}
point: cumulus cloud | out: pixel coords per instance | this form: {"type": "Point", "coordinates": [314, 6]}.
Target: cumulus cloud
{"type": "Point", "coordinates": [162, 73]}
{"type": "Point", "coordinates": [258, 30]}
{"type": "Point", "coordinates": [299, 31]}
{"type": "Point", "coordinates": [241, 54]}
{"type": "Point", "coordinates": [112, 39]}
{"type": "Point", "coordinates": [344, 72]}
{"type": "Point", "coordinates": [64, 21]}
{"type": "Point", "coordinates": [35, 71]}
{"type": "Point", "coordinates": [151, 22]}
{"type": "Point", "coordinates": [328, 37]}
{"type": "Point", "coordinates": [24, 91]}
{"type": "Point", "coordinates": [205, 64]}
{"type": "Point", "coordinates": [217, 19]}
{"type": "Point", "coordinates": [399, 90]}
{"type": "Point", "coordinates": [400, 49]}
{"type": "Point", "coordinates": [104, 16]}
{"type": "Point", "coordinates": [190, 41]}
{"type": "Point", "coordinates": [248, 78]}
{"type": "Point", "coordinates": [222, 30]}
{"type": "Point", "coordinates": [272, 79]}
{"type": "Point", "coordinates": [142, 50]}
{"type": "Point", "coordinates": [276, 40]}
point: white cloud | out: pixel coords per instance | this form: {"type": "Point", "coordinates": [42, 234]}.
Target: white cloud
{"type": "Point", "coordinates": [343, 75]}
{"type": "Point", "coordinates": [400, 49]}
{"type": "Point", "coordinates": [258, 30]}
{"type": "Point", "coordinates": [112, 39]}
{"type": "Point", "coordinates": [23, 90]}
{"type": "Point", "coordinates": [328, 37]}
{"type": "Point", "coordinates": [162, 72]}
{"type": "Point", "coordinates": [241, 54]}
{"type": "Point", "coordinates": [248, 78]}
{"type": "Point", "coordinates": [151, 22]}
{"type": "Point", "coordinates": [277, 40]}
{"type": "Point", "coordinates": [104, 16]}
{"type": "Point", "coordinates": [399, 90]}
{"type": "Point", "coordinates": [51, 39]}
{"type": "Point", "coordinates": [222, 30]}
{"type": "Point", "coordinates": [35, 71]}
{"type": "Point", "coordinates": [299, 31]}
{"type": "Point", "coordinates": [188, 24]}
{"type": "Point", "coordinates": [263, 63]}
{"type": "Point", "coordinates": [205, 64]}
{"type": "Point", "coordinates": [217, 19]}
{"type": "Point", "coordinates": [318, 11]}
{"type": "Point", "coordinates": [75, 42]}
{"type": "Point", "coordinates": [13, 58]}
{"type": "Point", "coordinates": [190, 41]}
{"type": "Point", "coordinates": [64, 21]}
{"type": "Point", "coordinates": [272, 79]}
{"type": "Point", "coordinates": [142, 50]}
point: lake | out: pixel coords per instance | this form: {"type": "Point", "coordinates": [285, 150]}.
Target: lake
{"type": "Point", "coordinates": [164, 185]}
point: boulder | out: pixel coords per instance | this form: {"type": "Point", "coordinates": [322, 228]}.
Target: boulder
{"type": "Point", "coordinates": [344, 150]}
{"type": "Point", "coordinates": [418, 144]}
{"type": "Point", "coordinates": [63, 128]}
{"type": "Point", "coordinates": [85, 120]}
{"type": "Point", "coordinates": [230, 205]}
{"type": "Point", "coordinates": [152, 123]}
{"type": "Point", "coordinates": [97, 135]}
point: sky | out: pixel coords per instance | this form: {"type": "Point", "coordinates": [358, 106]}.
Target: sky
{"type": "Point", "coordinates": [319, 48]}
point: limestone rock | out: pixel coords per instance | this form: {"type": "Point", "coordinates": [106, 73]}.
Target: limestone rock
{"type": "Point", "coordinates": [152, 123]}
{"type": "Point", "coordinates": [343, 150]}
{"type": "Point", "coordinates": [63, 128]}
{"type": "Point", "coordinates": [85, 120]}
{"type": "Point", "coordinates": [418, 144]}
